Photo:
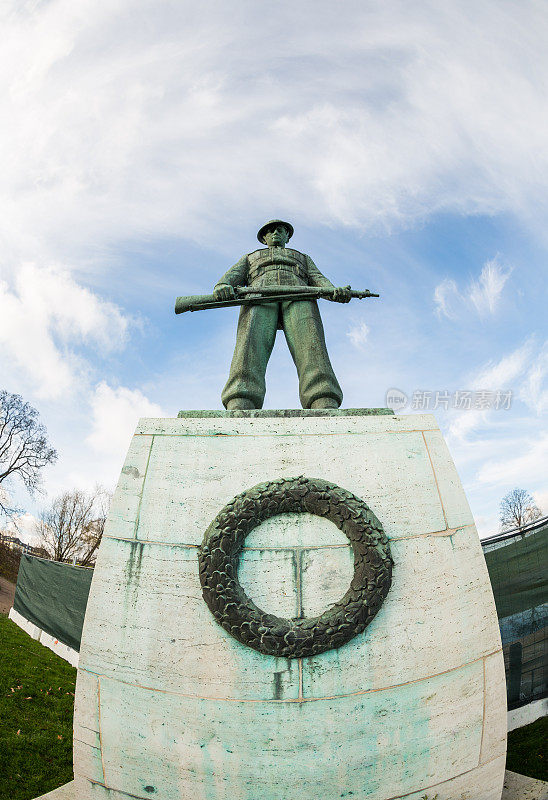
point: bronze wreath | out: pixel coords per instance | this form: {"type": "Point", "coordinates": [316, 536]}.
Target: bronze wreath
{"type": "Point", "coordinates": [294, 638]}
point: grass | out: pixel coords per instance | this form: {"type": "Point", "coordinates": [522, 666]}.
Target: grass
{"type": "Point", "coordinates": [36, 707]}
{"type": "Point", "coordinates": [528, 750]}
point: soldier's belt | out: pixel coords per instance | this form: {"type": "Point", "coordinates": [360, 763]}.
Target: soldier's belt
{"type": "Point", "coordinates": [249, 296]}
{"type": "Point", "coordinates": [294, 269]}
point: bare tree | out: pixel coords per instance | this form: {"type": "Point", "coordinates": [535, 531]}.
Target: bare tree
{"type": "Point", "coordinates": [93, 531]}
{"type": "Point", "coordinates": [517, 509]}
{"type": "Point", "coordinates": [24, 449]}
{"type": "Point", "coordinates": [72, 527]}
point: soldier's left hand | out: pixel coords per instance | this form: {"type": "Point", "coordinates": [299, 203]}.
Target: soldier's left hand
{"type": "Point", "coordinates": [342, 294]}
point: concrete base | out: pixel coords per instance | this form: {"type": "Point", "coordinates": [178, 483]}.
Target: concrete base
{"type": "Point", "coordinates": [516, 787]}
{"type": "Point", "coordinates": [170, 706]}
{"type": "Point", "coordinates": [525, 715]}
{"type": "Point", "coordinates": [66, 792]}
{"type": "Point", "coordinates": [60, 649]}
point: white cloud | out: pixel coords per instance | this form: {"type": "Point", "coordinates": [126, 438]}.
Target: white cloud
{"type": "Point", "coordinates": [464, 422]}
{"type": "Point", "coordinates": [358, 334]}
{"type": "Point", "coordinates": [446, 295]}
{"type": "Point", "coordinates": [541, 499]}
{"type": "Point", "coordinates": [44, 317]}
{"type": "Point", "coordinates": [485, 292]}
{"type": "Point", "coordinates": [500, 449]}
{"type": "Point", "coordinates": [179, 119]}
{"type": "Point", "coordinates": [115, 415]}
{"type": "Point", "coordinates": [510, 373]}
{"type": "Point", "coordinates": [502, 374]}
{"type": "Point", "coordinates": [482, 294]}
{"type": "Point", "coordinates": [527, 468]}
{"type": "Point", "coordinates": [200, 120]}
{"type": "Point", "coordinates": [24, 527]}
{"type": "Point", "coordinates": [534, 390]}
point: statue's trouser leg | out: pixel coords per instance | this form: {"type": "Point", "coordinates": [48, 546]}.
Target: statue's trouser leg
{"type": "Point", "coordinates": [306, 341]}
{"type": "Point", "coordinates": [255, 338]}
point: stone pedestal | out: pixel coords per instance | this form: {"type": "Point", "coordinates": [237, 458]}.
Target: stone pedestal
{"type": "Point", "coordinates": [171, 706]}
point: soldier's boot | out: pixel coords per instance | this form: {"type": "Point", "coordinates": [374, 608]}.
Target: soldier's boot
{"type": "Point", "coordinates": [240, 404]}
{"type": "Point", "coordinates": [325, 402]}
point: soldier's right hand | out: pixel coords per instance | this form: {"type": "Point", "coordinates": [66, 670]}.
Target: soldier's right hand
{"type": "Point", "coordinates": [224, 292]}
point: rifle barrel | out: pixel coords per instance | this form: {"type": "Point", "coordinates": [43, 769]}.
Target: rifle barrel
{"type": "Point", "coordinates": [264, 294]}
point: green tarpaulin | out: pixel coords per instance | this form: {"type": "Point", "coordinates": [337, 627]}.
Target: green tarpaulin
{"type": "Point", "coordinates": [54, 597]}
{"type": "Point", "coordinates": [519, 572]}
{"type": "Point", "coordinates": [518, 569]}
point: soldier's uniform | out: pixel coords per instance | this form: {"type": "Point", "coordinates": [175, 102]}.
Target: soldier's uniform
{"type": "Point", "coordinates": [299, 319]}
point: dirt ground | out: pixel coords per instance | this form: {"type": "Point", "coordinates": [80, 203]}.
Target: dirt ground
{"type": "Point", "coordinates": [7, 593]}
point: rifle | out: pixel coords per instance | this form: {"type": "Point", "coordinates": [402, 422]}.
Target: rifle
{"type": "Point", "coordinates": [248, 296]}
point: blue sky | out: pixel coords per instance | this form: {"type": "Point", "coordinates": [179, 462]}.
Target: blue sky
{"type": "Point", "coordinates": [146, 142]}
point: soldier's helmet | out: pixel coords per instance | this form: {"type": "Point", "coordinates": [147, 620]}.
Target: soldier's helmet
{"type": "Point", "coordinates": [269, 224]}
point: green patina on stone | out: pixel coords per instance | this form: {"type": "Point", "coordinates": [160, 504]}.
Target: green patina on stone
{"type": "Point", "coordinates": [289, 412]}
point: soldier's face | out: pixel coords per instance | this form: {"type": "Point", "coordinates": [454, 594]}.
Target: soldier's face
{"type": "Point", "coordinates": [276, 236]}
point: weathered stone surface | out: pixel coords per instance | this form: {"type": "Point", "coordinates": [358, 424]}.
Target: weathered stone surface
{"type": "Point", "coordinates": [179, 511]}
{"type": "Point", "coordinates": [455, 505]}
{"type": "Point", "coordinates": [294, 531]}
{"type": "Point", "coordinates": [287, 423]}
{"type": "Point", "coordinates": [493, 742]}
{"type": "Point", "coordinates": [66, 792]}
{"type": "Point", "coordinates": [123, 514]}
{"type": "Point", "coordinates": [155, 621]}
{"type": "Point", "coordinates": [87, 688]}
{"type": "Point", "coordinates": [264, 413]}
{"type": "Point", "coordinates": [411, 706]}
{"type": "Point", "coordinates": [519, 787]}
{"type": "Point", "coordinates": [88, 761]}
{"type": "Point", "coordinates": [438, 583]}
{"type": "Point", "coordinates": [482, 783]}
{"type": "Point", "coordinates": [238, 750]}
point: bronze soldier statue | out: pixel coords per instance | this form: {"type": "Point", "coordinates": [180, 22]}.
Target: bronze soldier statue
{"type": "Point", "coordinates": [278, 265]}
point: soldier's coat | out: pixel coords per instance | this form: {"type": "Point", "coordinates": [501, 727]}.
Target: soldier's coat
{"type": "Point", "coordinates": [299, 319]}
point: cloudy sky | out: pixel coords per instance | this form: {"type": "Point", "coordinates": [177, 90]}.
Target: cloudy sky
{"type": "Point", "coordinates": [145, 141]}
